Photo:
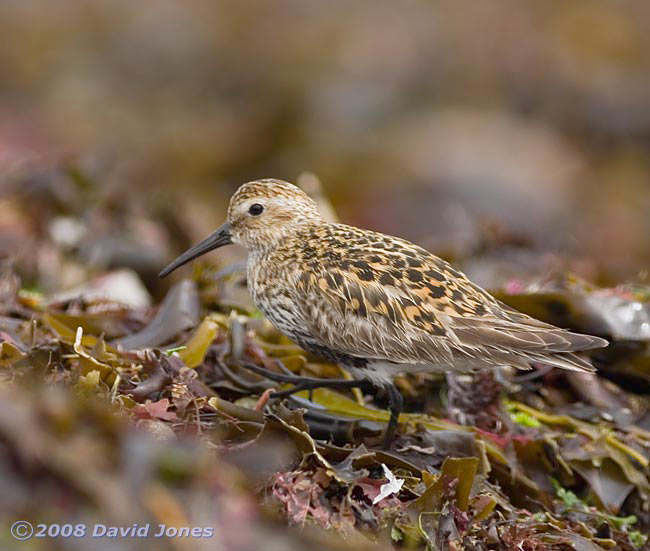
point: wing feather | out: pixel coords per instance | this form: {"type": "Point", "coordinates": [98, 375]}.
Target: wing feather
{"type": "Point", "coordinates": [408, 306]}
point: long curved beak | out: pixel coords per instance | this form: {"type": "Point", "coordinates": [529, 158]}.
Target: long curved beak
{"type": "Point", "coordinates": [217, 239]}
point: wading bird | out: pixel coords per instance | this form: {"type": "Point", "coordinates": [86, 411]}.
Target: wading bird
{"type": "Point", "coordinates": [378, 305]}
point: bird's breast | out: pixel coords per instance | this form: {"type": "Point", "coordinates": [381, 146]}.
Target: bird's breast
{"type": "Point", "coordinates": [270, 284]}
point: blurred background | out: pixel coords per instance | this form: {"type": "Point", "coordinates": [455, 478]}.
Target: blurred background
{"type": "Point", "coordinates": [483, 132]}
{"type": "Point", "coordinates": [511, 137]}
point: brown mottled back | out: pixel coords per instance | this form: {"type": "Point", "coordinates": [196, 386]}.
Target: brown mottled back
{"type": "Point", "coordinates": [376, 302]}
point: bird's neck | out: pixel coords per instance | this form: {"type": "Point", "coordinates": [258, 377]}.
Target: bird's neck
{"type": "Point", "coordinates": [279, 238]}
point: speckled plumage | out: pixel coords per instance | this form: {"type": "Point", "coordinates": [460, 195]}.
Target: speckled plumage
{"type": "Point", "coordinates": [378, 304]}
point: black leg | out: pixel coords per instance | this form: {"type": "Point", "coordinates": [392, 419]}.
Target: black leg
{"type": "Point", "coordinates": [395, 399]}
{"type": "Point", "coordinates": [309, 383]}
{"type": "Point", "coordinates": [306, 383]}
{"type": "Point", "coordinates": [286, 377]}
{"type": "Point", "coordinates": [395, 403]}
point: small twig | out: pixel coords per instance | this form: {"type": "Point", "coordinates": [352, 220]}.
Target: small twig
{"type": "Point", "coordinates": [264, 398]}
{"type": "Point", "coordinates": [156, 381]}
{"type": "Point", "coordinates": [254, 387]}
{"type": "Point", "coordinates": [284, 368]}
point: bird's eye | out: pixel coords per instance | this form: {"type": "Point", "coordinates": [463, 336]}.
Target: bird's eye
{"type": "Point", "coordinates": [256, 209]}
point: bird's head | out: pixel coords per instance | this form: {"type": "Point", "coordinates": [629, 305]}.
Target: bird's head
{"type": "Point", "coordinates": [260, 215]}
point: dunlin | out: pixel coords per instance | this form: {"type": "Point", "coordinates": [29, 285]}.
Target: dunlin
{"type": "Point", "coordinates": [378, 305]}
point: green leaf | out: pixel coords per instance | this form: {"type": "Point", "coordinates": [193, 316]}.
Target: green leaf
{"type": "Point", "coordinates": [622, 522]}
{"type": "Point", "coordinates": [567, 496]}
{"type": "Point", "coordinates": [637, 538]}
{"type": "Point", "coordinates": [170, 351]}
{"type": "Point", "coordinates": [524, 419]}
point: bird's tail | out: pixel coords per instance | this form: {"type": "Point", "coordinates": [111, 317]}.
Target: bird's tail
{"type": "Point", "coordinates": [566, 360]}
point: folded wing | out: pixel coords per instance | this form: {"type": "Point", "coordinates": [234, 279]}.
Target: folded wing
{"type": "Point", "coordinates": [427, 313]}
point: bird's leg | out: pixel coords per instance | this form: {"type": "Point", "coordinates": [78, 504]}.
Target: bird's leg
{"type": "Point", "coordinates": [395, 399]}
{"type": "Point", "coordinates": [286, 377]}
{"type": "Point", "coordinates": [304, 383]}
{"type": "Point", "coordinates": [286, 371]}
{"type": "Point", "coordinates": [309, 383]}
{"type": "Point", "coordinates": [456, 391]}
{"type": "Point", "coordinates": [395, 403]}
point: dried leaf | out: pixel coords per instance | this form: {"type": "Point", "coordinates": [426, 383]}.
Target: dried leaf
{"type": "Point", "coordinates": [155, 410]}
{"type": "Point", "coordinates": [178, 312]}
{"type": "Point", "coordinates": [198, 344]}
{"type": "Point", "coordinates": [89, 382]}
{"type": "Point", "coordinates": [10, 354]}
